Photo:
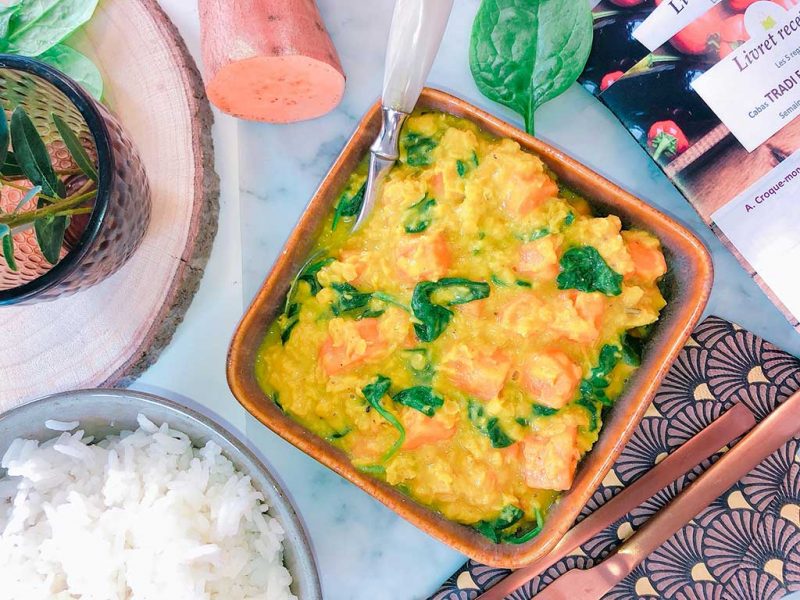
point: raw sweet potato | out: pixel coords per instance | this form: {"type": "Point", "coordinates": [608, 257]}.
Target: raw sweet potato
{"type": "Point", "coordinates": [269, 60]}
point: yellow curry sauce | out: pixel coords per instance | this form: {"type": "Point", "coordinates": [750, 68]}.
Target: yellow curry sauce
{"type": "Point", "coordinates": [463, 343]}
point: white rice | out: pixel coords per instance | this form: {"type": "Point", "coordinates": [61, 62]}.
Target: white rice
{"type": "Point", "coordinates": [141, 516]}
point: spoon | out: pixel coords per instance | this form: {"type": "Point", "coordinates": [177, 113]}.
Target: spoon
{"type": "Point", "coordinates": [414, 39]}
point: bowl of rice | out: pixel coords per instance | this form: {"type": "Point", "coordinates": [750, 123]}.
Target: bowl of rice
{"type": "Point", "coordinates": [117, 494]}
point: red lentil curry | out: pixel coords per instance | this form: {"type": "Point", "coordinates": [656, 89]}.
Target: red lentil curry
{"type": "Point", "coordinates": [463, 344]}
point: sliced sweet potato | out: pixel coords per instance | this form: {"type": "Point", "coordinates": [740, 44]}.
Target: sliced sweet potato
{"type": "Point", "coordinates": [269, 60]}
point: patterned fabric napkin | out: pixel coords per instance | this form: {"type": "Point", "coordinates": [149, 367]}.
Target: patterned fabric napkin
{"type": "Point", "coordinates": [746, 545]}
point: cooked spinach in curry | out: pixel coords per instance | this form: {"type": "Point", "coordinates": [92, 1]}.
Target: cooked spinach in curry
{"type": "Point", "coordinates": [463, 345]}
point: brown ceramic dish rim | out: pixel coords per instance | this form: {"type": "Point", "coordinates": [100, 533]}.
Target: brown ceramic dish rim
{"type": "Point", "coordinates": [622, 421]}
{"type": "Point", "coordinates": [85, 105]}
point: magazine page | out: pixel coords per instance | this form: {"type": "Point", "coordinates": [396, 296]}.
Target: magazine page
{"type": "Point", "coordinates": [715, 103]}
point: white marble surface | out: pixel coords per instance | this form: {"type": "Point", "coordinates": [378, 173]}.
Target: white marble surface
{"type": "Point", "coordinates": [364, 551]}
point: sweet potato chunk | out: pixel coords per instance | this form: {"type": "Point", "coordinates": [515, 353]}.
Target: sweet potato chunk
{"type": "Point", "coordinates": [549, 461]}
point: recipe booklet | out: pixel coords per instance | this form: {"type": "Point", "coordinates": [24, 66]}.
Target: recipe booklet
{"type": "Point", "coordinates": [711, 89]}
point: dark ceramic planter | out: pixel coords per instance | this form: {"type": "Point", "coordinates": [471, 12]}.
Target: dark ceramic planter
{"type": "Point", "coordinates": [121, 214]}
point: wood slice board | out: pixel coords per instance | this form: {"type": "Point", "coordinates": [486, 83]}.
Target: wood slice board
{"type": "Point", "coordinates": [110, 333]}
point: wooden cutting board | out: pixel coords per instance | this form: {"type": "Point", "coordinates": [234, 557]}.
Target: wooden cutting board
{"type": "Point", "coordinates": [110, 333]}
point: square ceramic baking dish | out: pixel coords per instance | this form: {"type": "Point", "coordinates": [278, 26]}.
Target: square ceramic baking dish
{"type": "Point", "coordinates": [687, 286]}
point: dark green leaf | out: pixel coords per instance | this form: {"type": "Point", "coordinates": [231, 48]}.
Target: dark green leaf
{"type": "Point", "coordinates": [50, 234]}
{"type": "Point", "coordinates": [539, 410]}
{"type": "Point", "coordinates": [475, 158]}
{"type": "Point", "coordinates": [41, 24]}
{"type": "Point", "coordinates": [76, 66]}
{"type": "Point", "coordinates": [509, 516]}
{"type": "Point", "coordinates": [488, 426]}
{"type": "Point", "coordinates": [276, 399]}
{"type": "Point", "coordinates": [337, 435]}
{"type": "Point", "coordinates": [433, 315]}
{"type": "Point", "coordinates": [523, 283]}
{"type": "Point", "coordinates": [497, 281]}
{"type": "Point", "coordinates": [10, 167]}
{"type": "Point", "coordinates": [6, 14]}
{"type": "Point", "coordinates": [583, 269]}
{"type": "Point", "coordinates": [526, 52]}
{"type": "Point", "coordinates": [593, 388]}
{"type": "Point", "coordinates": [418, 149]}
{"type": "Point", "coordinates": [421, 398]}
{"type": "Point", "coordinates": [522, 421]}
{"type": "Point", "coordinates": [8, 246]}
{"type": "Point", "coordinates": [527, 536]}
{"type": "Point", "coordinates": [349, 205]}
{"type": "Point", "coordinates": [75, 148]}
{"type": "Point", "coordinates": [374, 392]}
{"type": "Point", "coordinates": [286, 331]}
{"type": "Point", "coordinates": [632, 350]}
{"type": "Point", "coordinates": [569, 219]}
{"type": "Point", "coordinates": [308, 274]}
{"type": "Point", "coordinates": [419, 215]}
{"type": "Point", "coordinates": [31, 153]}
{"type": "Point", "coordinates": [4, 137]}
{"type": "Point", "coordinates": [461, 168]}
{"type": "Point", "coordinates": [348, 298]}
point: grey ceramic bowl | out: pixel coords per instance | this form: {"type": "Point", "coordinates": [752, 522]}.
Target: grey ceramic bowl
{"type": "Point", "coordinates": [106, 411]}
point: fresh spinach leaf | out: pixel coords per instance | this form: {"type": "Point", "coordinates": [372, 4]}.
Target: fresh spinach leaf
{"type": "Point", "coordinates": [348, 298]}
{"type": "Point", "coordinates": [349, 205]}
{"type": "Point", "coordinates": [418, 149]}
{"type": "Point", "coordinates": [540, 410]}
{"type": "Point", "coordinates": [488, 426]}
{"type": "Point", "coordinates": [420, 215]}
{"type": "Point", "coordinates": [374, 392]}
{"type": "Point", "coordinates": [526, 536]}
{"type": "Point", "coordinates": [420, 364]}
{"type": "Point", "coordinates": [525, 52]}
{"type": "Point", "coordinates": [433, 316]}
{"type": "Point", "coordinates": [75, 148]}
{"type": "Point", "coordinates": [421, 398]}
{"type": "Point", "coordinates": [522, 421]}
{"type": "Point", "coordinates": [37, 25]}
{"type": "Point", "coordinates": [569, 219]}
{"type": "Point", "coordinates": [461, 168]}
{"type": "Point", "coordinates": [475, 160]}
{"type": "Point", "coordinates": [75, 65]}
{"type": "Point", "coordinates": [523, 283]}
{"type": "Point", "coordinates": [583, 269]}
{"type": "Point", "coordinates": [337, 435]}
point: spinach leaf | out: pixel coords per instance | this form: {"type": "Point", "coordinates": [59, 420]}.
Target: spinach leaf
{"type": "Point", "coordinates": [374, 392]}
{"type": "Point", "coordinates": [75, 148]}
{"type": "Point", "coordinates": [37, 25]}
{"type": "Point", "coordinates": [461, 168]}
{"type": "Point", "coordinates": [523, 283]}
{"type": "Point", "coordinates": [421, 398]}
{"type": "Point", "coordinates": [418, 149]}
{"type": "Point", "coordinates": [525, 52]}
{"type": "Point", "coordinates": [508, 516]}
{"type": "Point", "coordinates": [419, 215]}
{"type": "Point", "coordinates": [308, 274]}
{"type": "Point", "coordinates": [488, 426]}
{"type": "Point", "coordinates": [420, 364]}
{"type": "Point", "coordinates": [433, 315]}
{"type": "Point", "coordinates": [75, 65]}
{"type": "Point", "coordinates": [527, 536]}
{"type": "Point", "coordinates": [349, 205]}
{"type": "Point", "coordinates": [632, 349]}
{"type": "Point", "coordinates": [540, 410]}
{"type": "Point", "coordinates": [593, 388]}
{"type": "Point", "coordinates": [593, 410]}
{"type": "Point", "coordinates": [583, 269]}
{"type": "Point", "coordinates": [348, 298]}
{"type": "Point", "coordinates": [337, 435]}
{"type": "Point", "coordinates": [569, 219]}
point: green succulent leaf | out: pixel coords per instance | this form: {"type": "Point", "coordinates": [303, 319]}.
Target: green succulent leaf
{"type": "Point", "coordinates": [31, 154]}
{"type": "Point", "coordinates": [75, 148]}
